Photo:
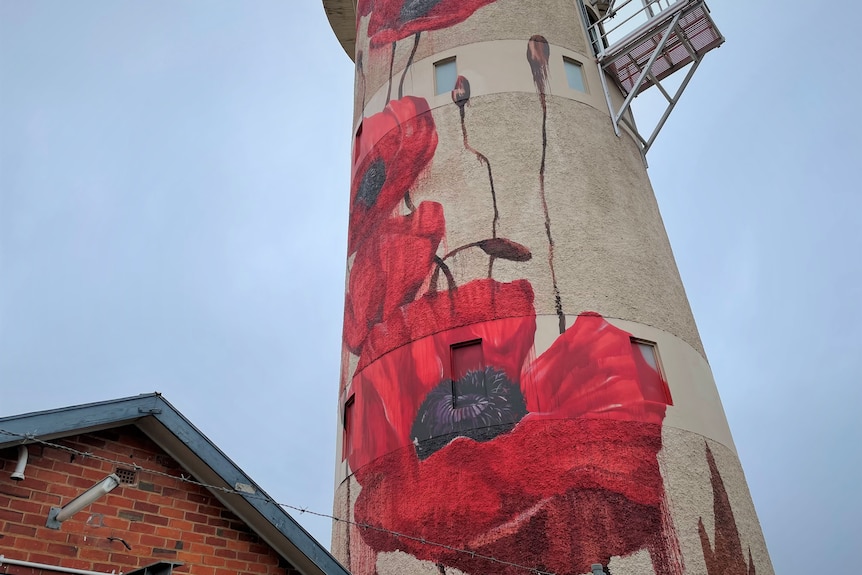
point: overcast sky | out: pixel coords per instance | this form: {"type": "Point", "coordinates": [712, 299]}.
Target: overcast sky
{"type": "Point", "coordinates": [173, 216]}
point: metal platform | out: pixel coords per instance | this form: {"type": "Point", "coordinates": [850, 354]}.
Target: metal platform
{"type": "Point", "coordinates": [639, 43]}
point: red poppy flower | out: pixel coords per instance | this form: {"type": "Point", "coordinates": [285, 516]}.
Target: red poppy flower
{"type": "Point", "coordinates": [392, 20]}
{"type": "Point", "coordinates": [390, 151]}
{"type": "Point", "coordinates": [389, 392]}
{"type": "Point", "coordinates": [389, 269]}
{"type": "Point", "coordinates": [573, 482]}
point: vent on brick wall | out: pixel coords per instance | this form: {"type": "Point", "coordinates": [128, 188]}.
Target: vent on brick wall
{"type": "Point", "coordinates": [126, 475]}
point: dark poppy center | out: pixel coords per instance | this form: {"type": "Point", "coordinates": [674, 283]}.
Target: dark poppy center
{"type": "Point", "coordinates": [371, 184]}
{"type": "Point", "coordinates": [412, 9]}
{"type": "Point", "coordinates": [481, 405]}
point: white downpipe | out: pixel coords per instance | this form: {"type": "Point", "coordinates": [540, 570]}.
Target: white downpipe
{"type": "Point", "coordinates": [4, 561]}
{"type": "Point", "coordinates": [23, 453]}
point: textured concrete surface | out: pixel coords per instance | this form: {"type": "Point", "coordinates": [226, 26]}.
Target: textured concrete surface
{"type": "Point", "coordinates": [611, 256]}
{"type": "Point", "coordinates": [687, 480]}
{"type": "Point", "coordinates": [612, 253]}
{"type": "Point", "coordinates": [556, 20]}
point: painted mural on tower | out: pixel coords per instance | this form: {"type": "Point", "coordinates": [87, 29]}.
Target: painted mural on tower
{"type": "Point", "coordinates": [465, 443]}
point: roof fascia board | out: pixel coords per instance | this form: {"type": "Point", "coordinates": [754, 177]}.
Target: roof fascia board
{"type": "Point", "coordinates": [79, 419]}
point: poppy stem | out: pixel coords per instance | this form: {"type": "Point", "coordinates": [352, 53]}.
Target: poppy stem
{"type": "Point", "coordinates": [441, 266]}
{"type": "Point", "coordinates": [391, 64]}
{"type": "Point", "coordinates": [456, 250]}
{"type": "Point", "coordinates": [407, 67]}
{"type": "Point", "coordinates": [484, 160]}
{"type": "Point", "coordinates": [558, 304]}
{"type": "Point", "coordinates": [538, 52]}
{"type": "Point", "coordinates": [408, 201]}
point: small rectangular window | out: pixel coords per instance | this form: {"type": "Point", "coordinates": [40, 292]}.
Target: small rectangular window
{"type": "Point", "coordinates": [650, 374]}
{"type": "Point", "coordinates": [346, 422]}
{"type": "Point", "coordinates": [445, 75]}
{"type": "Point", "coordinates": [357, 143]}
{"type": "Point", "coordinates": [466, 357]}
{"type": "Point", "coordinates": [574, 74]}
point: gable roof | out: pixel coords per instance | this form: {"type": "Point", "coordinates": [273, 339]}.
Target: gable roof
{"type": "Point", "coordinates": [172, 432]}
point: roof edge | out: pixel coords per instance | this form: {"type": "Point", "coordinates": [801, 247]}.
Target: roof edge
{"type": "Point", "coordinates": [342, 18]}
{"type": "Point", "coordinates": [79, 418]}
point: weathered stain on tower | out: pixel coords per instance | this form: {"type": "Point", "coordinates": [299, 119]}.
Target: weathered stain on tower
{"type": "Point", "coordinates": [523, 388]}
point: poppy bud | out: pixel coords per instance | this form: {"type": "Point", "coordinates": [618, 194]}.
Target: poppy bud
{"type": "Point", "coordinates": [538, 53]}
{"type": "Point", "coordinates": [461, 93]}
{"type": "Point", "coordinates": [505, 249]}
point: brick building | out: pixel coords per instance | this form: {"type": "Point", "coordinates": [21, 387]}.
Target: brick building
{"type": "Point", "coordinates": [158, 517]}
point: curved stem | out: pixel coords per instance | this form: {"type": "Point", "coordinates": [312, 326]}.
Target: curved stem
{"type": "Point", "coordinates": [459, 249]}
{"type": "Point", "coordinates": [484, 160]}
{"type": "Point", "coordinates": [407, 67]}
{"type": "Point", "coordinates": [441, 266]}
{"type": "Point", "coordinates": [558, 304]}
{"type": "Point", "coordinates": [391, 64]}
{"type": "Point", "coordinates": [408, 201]}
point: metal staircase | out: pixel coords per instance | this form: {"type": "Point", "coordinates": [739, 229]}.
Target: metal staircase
{"type": "Point", "coordinates": [639, 43]}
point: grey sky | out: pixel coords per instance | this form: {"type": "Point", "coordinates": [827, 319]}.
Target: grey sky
{"type": "Point", "coordinates": [173, 213]}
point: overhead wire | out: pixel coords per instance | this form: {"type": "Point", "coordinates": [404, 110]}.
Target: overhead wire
{"type": "Point", "coordinates": [264, 497]}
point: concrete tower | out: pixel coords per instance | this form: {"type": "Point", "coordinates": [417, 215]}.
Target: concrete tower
{"type": "Point", "coordinates": [523, 387]}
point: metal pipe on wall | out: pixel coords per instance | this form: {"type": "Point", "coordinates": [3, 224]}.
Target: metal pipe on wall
{"type": "Point", "coordinates": [5, 561]}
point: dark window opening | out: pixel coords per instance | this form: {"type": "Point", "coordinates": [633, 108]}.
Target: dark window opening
{"type": "Point", "coordinates": [356, 142]}
{"type": "Point", "coordinates": [466, 357]}
{"type": "Point", "coordinates": [346, 424]}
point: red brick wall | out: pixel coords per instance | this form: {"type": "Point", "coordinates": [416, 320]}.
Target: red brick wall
{"type": "Point", "coordinates": [161, 518]}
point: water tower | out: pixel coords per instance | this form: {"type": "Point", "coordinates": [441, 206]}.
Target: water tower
{"type": "Point", "coordinates": [523, 387]}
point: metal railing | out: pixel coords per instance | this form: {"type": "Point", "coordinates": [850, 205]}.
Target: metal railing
{"type": "Point", "coordinates": [622, 18]}
{"type": "Point", "coordinates": [639, 43]}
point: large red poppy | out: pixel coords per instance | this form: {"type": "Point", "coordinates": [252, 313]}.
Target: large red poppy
{"type": "Point", "coordinates": [392, 20]}
{"type": "Point", "coordinates": [388, 392]}
{"type": "Point", "coordinates": [389, 269]}
{"type": "Point", "coordinates": [574, 482]}
{"type": "Point", "coordinates": [390, 151]}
